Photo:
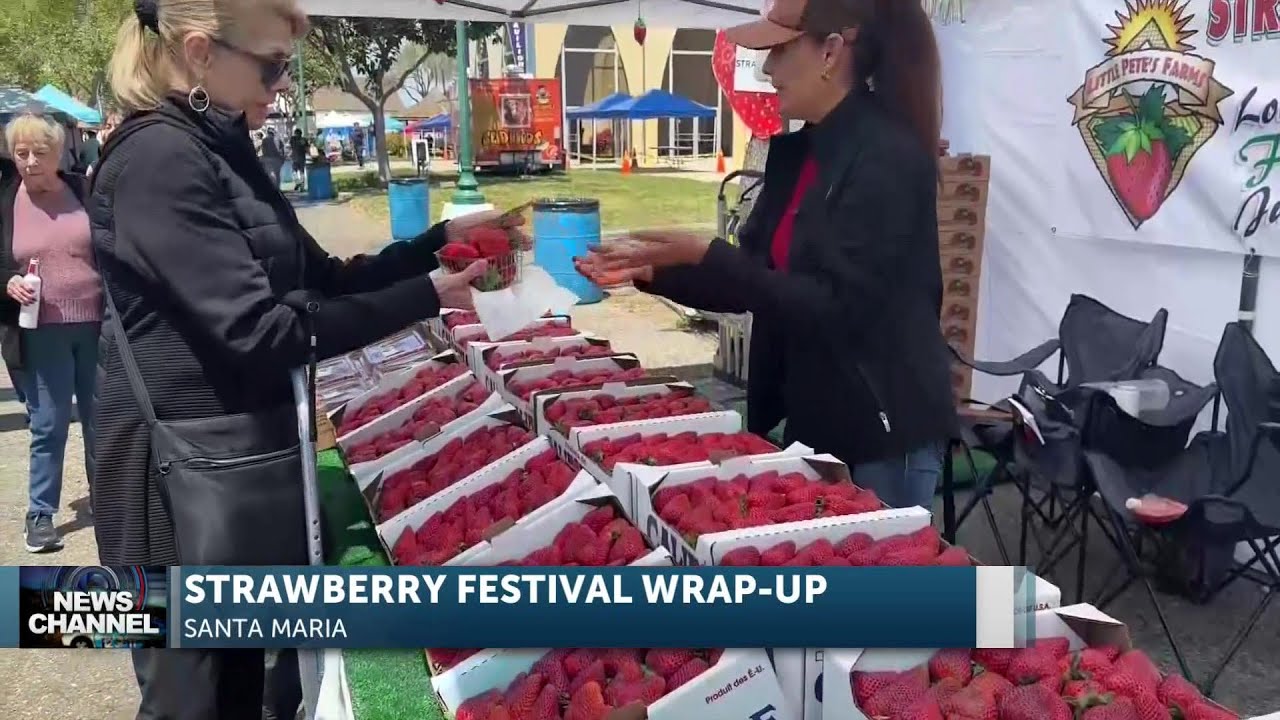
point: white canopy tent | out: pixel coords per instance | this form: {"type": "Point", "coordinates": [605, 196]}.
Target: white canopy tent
{"type": "Point", "coordinates": [693, 14]}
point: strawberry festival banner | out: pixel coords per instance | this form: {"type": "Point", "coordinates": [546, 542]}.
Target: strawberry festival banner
{"type": "Point", "coordinates": [1175, 108]}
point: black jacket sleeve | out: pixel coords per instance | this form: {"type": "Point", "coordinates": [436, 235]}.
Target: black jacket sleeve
{"type": "Point", "coordinates": [178, 232]}
{"type": "Point", "coordinates": [398, 261]}
{"type": "Point", "coordinates": [859, 259]}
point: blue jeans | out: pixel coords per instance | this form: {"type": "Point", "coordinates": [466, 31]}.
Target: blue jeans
{"type": "Point", "coordinates": [59, 361]}
{"type": "Point", "coordinates": [907, 481]}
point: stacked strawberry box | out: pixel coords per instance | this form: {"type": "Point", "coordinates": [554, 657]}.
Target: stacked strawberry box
{"type": "Point", "coordinates": [439, 329]}
{"type": "Point", "coordinates": [509, 493]}
{"type": "Point", "coordinates": [397, 434]}
{"type": "Point", "coordinates": [576, 684]}
{"type": "Point", "coordinates": [1081, 666]}
{"type": "Point", "coordinates": [540, 350]}
{"type": "Point", "coordinates": [557, 412]}
{"type": "Point", "coordinates": [442, 461]}
{"type": "Point", "coordinates": [668, 441]}
{"type": "Point", "coordinates": [396, 389]}
{"type": "Point", "coordinates": [473, 340]}
{"type": "Point", "coordinates": [521, 385]}
{"type": "Point", "coordinates": [885, 538]}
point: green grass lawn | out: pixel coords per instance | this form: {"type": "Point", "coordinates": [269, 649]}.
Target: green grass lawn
{"type": "Point", "coordinates": [626, 201]}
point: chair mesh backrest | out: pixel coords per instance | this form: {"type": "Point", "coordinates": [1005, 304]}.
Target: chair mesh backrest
{"type": "Point", "coordinates": [1245, 376]}
{"type": "Point", "coordinates": [1099, 344]}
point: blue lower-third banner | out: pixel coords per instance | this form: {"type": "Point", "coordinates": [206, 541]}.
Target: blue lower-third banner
{"type": "Point", "coordinates": [329, 607]}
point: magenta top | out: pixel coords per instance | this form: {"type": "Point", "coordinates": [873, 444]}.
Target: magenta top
{"type": "Point", "coordinates": [54, 227]}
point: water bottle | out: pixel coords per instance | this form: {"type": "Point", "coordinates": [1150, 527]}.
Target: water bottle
{"type": "Point", "coordinates": [29, 315]}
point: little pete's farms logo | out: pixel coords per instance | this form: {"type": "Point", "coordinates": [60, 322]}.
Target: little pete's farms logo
{"type": "Point", "coordinates": [1148, 108]}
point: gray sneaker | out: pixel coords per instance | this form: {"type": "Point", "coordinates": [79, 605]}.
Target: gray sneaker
{"type": "Point", "coordinates": [40, 535]}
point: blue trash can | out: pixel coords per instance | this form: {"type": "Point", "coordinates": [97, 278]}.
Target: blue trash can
{"type": "Point", "coordinates": [286, 173]}
{"type": "Point", "coordinates": [410, 203]}
{"type": "Point", "coordinates": [565, 228]}
{"type": "Point", "coordinates": [319, 182]}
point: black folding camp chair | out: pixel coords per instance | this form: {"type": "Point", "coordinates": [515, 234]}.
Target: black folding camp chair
{"type": "Point", "coordinates": [1094, 344]}
{"type": "Point", "coordinates": [1229, 483]}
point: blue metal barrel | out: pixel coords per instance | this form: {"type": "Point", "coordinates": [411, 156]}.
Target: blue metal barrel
{"type": "Point", "coordinates": [565, 228]}
{"type": "Point", "coordinates": [319, 182]}
{"type": "Point", "coordinates": [286, 173]}
{"type": "Point", "coordinates": [410, 208]}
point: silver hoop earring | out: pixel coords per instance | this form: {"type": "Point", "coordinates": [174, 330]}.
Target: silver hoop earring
{"type": "Point", "coordinates": [198, 99]}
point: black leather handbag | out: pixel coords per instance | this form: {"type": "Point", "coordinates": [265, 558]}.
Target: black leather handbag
{"type": "Point", "coordinates": [232, 484]}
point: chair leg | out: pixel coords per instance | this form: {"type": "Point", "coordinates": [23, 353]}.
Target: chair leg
{"type": "Point", "coordinates": [1237, 642]}
{"type": "Point", "coordinates": [982, 490]}
{"type": "Point", "coordinates": [1083, 544]}
{"type": "Point", "coordinates": [1025, 522]}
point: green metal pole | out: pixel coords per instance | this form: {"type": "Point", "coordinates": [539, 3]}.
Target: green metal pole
{"type": "Point", "coordinates": [468, 190]}
{"type": "Point", "coordinates": [302, 93]}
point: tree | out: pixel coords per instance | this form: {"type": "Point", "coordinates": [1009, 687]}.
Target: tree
{"type": "Point", "coordinates": [436, 71]}
{"type": "Point", "coordinates": [64, 42]}
{"type": "Point", "coordinates": [364, 55]}
{"type": "Point", "coordinates": [316, 73]}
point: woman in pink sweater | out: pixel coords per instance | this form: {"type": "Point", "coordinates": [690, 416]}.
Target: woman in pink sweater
{"type": "Point", "coordinates": [41, 217]}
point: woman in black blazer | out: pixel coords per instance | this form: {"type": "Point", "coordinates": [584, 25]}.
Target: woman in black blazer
{"type": "Point", "coordinates": [207, 266]}
{"type": "Point", "coordinates": [838, 262]}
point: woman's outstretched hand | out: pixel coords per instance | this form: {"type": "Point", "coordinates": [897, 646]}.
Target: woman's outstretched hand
{"type": "Point", "coordinates": [590, 268]}
{"type": "Point", "coordinates": [454, 289]}
{"type": "Point", "coordinates": [654, 249]}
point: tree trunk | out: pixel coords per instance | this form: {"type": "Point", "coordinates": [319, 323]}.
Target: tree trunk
{"type": "Point", "coordinates": [380, 142]}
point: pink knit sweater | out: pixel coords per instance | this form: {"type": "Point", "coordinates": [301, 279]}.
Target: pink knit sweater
{"type": "Point", "coordinates": [55, 228]}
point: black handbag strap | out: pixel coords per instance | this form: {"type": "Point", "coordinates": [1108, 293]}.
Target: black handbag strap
{"type": "Point", "coordinates": [130, 363]}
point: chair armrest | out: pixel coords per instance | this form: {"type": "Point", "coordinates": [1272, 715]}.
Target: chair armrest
{"type": "Point", "coordinates": [1024, 363]}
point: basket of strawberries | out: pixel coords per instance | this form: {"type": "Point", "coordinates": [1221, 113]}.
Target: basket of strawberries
{"type": "Point", "coordinates": [501, 248]}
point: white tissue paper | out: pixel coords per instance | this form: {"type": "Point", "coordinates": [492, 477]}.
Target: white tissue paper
{"type": "Point", "coordinates": [510, 310]}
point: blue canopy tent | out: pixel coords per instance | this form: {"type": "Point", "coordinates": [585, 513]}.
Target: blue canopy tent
{"type": "Point", "coordinates": [594, 110]}
{"type": "Point", "coordinates": [436, 122]}
{"type": "Point", "coordinates": [59, 100]}
{"type": "Point", "coordinates": [15, 101]}
{"type": "Point", "coordinates": [658, 104]}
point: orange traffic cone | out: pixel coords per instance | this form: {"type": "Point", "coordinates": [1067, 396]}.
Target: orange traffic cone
{"type": "Point", "coordinates": [626, 162]}
{"type": "Point", "coordinates": [719, 162]}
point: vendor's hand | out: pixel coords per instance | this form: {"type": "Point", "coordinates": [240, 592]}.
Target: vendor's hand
{"type": "Point", "coordinates": [653, 248]}
{"type": "Point", "coordinates": [454, 289]}
{"type": "Point", "coordinates": [590, 268]}
{"type": "Point", "coordinates": [20, 291]}
{"type": "Point", "coordinates": [456, 229]}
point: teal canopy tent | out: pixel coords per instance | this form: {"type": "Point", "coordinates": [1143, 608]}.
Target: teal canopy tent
{"type": "Point", "coordinates": [15, 101]}
{"type": "Point", "coordinates": [59, 100]}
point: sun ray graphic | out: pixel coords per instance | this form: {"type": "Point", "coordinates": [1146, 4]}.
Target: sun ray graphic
{"type": "Point", "coordinates": [1149, 19]}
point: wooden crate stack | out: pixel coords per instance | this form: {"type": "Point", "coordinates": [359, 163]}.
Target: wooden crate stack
{"type": "Point", "coordinates": [962, 222]}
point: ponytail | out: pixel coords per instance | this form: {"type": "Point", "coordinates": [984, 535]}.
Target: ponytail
{"type": "Point", "coordinates": [140, 72]}
{"type": "Point", "coordinates": [897, 55]}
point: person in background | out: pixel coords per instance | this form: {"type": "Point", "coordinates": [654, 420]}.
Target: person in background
{"type": "Point", "coordinates": [109, 124]}
{"type": "Point", "coordinates": [838, 261]}
{"type": "Point", "coordinates": [43, 217]}
{"type": "Point", "coordinates": [298, 148]}
{"type": "Point", "coordinates": [8, 171]}
{"type": "Point", "coordinates": [89, 150]}
{"type": "Point", "coordinates": [272, 155]}
{"type": "Point", "coordinates": [207, 267]}
{"type": "Point", "coordinates": [357, 144]}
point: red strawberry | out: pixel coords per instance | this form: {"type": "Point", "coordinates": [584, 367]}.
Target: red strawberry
{"type": "Point", "coordinates": [666, 661]}
{"type": "Point", "coordinates": [991, 685]}
{"type": "Point", "coordinates": [1033, 702]}
{"type": "Point", "coordinates": [955, 663]}
{"type": "Point", "coordinates": [853, 543]}
{"type": "Point", "coordinates": [779, 554]}
{"type": "Point", "coordinates": [898, 696]}
{"type": "Point", "coordinates": [600, 517]}
{"type": "Point", "coordinates": [944, 690]}
{"type": "Point", "coordinates": [925, 708]}
{"type": "Point", "coordinates": [867, 684]}
{"type": "Point", "coordinates": [954, 557]}
{"type": "Point", "coordinates": [1035, 665]}
{"type": "Point", "coordinates": [646, 690]}
{"type": "Point", "coordinates": [1118, 709]}
{"type": "Point", "coordinates": [971, 703]}
{"type": "Point", "coordinates": [550, 667]}
{"type": "Point", "coordinates": [523, 694]}
{"type": "Point", "coordinates": [1176, 691]}
{"type": "Point", "coordinates": [477, 708]}
{"type": "Point", "coordinates": [587, 703]}
{"type": "Point", "coordinates": [461, 251]}
{"type": "Point", "coordinates": [1084, 693]}
{"type": "Point", "coordinates": [500, 713]}
{"type": "Point", "coordinates": [995, 660]}
{"type": "Point", "coordinates": [1058, 647]}
{"type": "Point", "coordinates": [591, 673]}
{"type": "Point", "coordinates": [1094, 663]}
{"type": "Point", "coordinates": [1140, 168]}
{"type": "Point", "coordinates": [547, 706]}
{"type": "Point", "coordinates": [1137, 664]}
{"type": "Point", "coordinates": [1208, 711]}
{"type": "Point", "coordinates": [686, 673]}
{"type": "Point", "coordinates": [578, 660]}
{"type": "Point", "coordinates": [629, 546]}
{"type": "Point", "coordinates": [741, 557]}
{"type": "Point", "coordinates": [1149, 707]}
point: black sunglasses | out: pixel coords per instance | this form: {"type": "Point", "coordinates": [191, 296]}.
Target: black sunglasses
{"type": "Point", "coordinates": [270, 67]}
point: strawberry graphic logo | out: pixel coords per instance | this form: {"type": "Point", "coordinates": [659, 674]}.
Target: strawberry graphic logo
{"type": "Point", "coordinates": [757, 110]}
{"type": "Point", "coordinates": [1147, 109]}
{"type": "Point", "coordinates": [1140, 151]}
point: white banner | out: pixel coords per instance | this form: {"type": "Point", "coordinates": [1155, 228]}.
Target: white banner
{"type": "Point", "coordinates": [1174, 123]}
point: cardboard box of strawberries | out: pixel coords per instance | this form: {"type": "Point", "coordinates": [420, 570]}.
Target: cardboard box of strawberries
{"type": "Point", "coordinates": [396, 390]}
{"type": "Point", "coordinates": [1080, 667]}
{"type": "Point", "coordinates": [589, 684]}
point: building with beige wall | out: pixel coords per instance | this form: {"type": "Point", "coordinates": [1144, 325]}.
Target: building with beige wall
{"type": "Point", "coordinates": [595, 62]}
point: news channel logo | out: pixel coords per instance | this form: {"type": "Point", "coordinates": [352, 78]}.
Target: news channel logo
{"type": "Point", "coordinates": [93, 606]}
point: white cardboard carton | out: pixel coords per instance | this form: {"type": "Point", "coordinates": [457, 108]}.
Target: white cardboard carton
{"type": "Point", "coordinates": [629, 389]}
{"type": "Point", "coordinates": [371, 485]}
{"type": "Point", "coordinates": [393, 382]}
{"type": "Point", "coordinates": [474, 350]}
{"type": "Point", "coordinates": [517, 543]}
{"type": "Point", "coordinates": [495, 473]}
{"type": "Point", "coordinates": [620, 480]}
{"type": "Point", "coordinates": [403, 414]}
{"type": "Point", "coordinates": [1081, 624]}
{"type": "Point", "coordinates": [500, 355]}
{"type": "Point", "coordinates": [534, 372]}
{"type": "Point", "coordinates": [741, 685]}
